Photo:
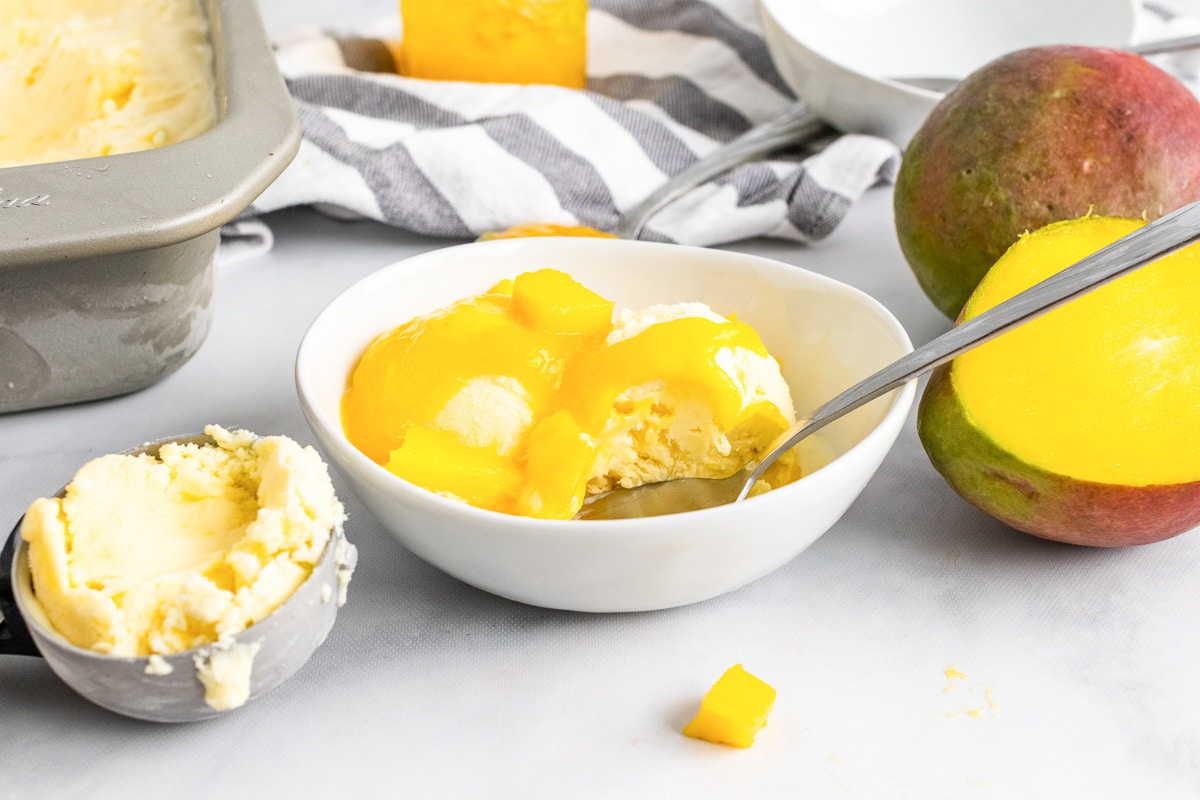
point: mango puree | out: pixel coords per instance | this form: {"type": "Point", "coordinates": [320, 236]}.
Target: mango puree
{"type": "Point", "coordinates": [526, 398]}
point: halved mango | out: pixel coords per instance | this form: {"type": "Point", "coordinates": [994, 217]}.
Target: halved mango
{"type": "Point", "coordinates": [1083, 425]}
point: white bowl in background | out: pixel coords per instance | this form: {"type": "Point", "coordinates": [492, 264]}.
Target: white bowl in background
{"type": "Point", "coordinates": [846, 58]}
{"type": "Point", "coordinates": [826, 334]}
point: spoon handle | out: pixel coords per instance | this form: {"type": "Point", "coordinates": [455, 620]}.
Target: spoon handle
{"type": "Point", "coordinates": [795, 125]}
{"type": "Point", "coordinates": [1162, 237]}
{"type": "Point", "coordinates": [1165, 45]}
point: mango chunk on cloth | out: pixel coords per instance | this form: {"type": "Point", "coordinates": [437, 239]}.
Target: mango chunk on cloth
{"type": "Point", "coordinates": [733, 710]}
{"type": "Point", "coordinates": [544, 229]}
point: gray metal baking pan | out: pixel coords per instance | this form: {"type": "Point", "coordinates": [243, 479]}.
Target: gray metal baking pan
{"type": "Point", "coordinates": [106, 264]}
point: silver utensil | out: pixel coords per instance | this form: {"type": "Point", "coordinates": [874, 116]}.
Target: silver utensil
{"type": "Point", "coordinates": [795, 126]}
{"type": "Point", "coordinates": [1162, 237]}
{"type": "Point", "coordinates": [129, 685]}
{"type": "Point", "coordinates": [1172, 45]}
{"type": "Point", "coordinates": [943, 85]}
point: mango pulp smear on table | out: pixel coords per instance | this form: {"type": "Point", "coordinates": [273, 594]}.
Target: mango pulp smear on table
{"type": "Point", "coordinates": [531, 396]}
{"type": "Point", "coordinates": [87, 78]}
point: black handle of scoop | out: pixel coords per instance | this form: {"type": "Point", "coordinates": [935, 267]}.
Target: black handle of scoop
{"type": "Point", "coordinates": [14, 636]}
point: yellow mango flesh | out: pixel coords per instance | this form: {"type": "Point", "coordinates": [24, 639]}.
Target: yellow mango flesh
{"type": "Point", "coordinates": [545, 229]}
{"type": "Point", "coordinates": [528, 357]}
{"type": "Point", "coordinates": [495, 41]}
{"type": "Point", "coordinates": [478, 475]}
{"type": "Point", "coordinates": [557, 454]}
{"type": "Point", "coordinates": [682, 352]}
{"type": "Point", "coordinates": [1105, 388]}
{"type": "Point", "coordinates": [552, 301]}
{"type": "Point", "coordinates": [411, 374]}
{"type": "Point", "coordinates": [734, 710]}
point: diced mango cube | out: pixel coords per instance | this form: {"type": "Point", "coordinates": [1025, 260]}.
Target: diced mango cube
{"type": "Point", "coordinates": [438, 461]}
{"type": "Point", "coordinates": [558, 456]}
{"type": "Point", "coordinates": [733, 710]}
{"type": "Point", "coordinates": [550, 300]}
{"type": "Point", "coordinates": [502, 286]}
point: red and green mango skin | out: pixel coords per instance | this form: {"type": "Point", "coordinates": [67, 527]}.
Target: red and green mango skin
{"type": "Point", "coordinates": [1036, 136]}
{"type": "Point", "coordinates": [1038, 502]}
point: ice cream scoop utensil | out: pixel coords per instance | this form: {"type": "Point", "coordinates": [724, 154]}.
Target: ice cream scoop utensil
{"type": "Point", "coordinates": [167, 689]}
{"type": "Point", "coordinates": [1162, 237]}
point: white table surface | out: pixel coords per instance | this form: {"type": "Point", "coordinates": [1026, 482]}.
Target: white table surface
{"type": "Point", "coordinates": [919, 649]}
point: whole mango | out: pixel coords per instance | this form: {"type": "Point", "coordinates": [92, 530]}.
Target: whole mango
{"type": "Point", "coordinates": [1037, 136]}
{"type": "Point", "coordinates": [1081, 425]}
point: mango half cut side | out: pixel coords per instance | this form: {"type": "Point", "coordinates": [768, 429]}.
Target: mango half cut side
{"type": "Point", "coordinates": [1083, 425]}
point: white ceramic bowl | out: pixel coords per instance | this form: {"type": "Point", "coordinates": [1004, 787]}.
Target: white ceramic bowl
{"type": "Point", "coordinates": [844, 57]}
{"type": "Point", "coordinates": [827, 336]}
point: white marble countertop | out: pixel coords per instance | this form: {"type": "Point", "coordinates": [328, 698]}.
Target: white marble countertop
{"type": "Point", "coordinates": [919, 649]}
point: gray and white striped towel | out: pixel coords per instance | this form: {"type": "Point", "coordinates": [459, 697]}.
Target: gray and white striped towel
{"type": "Point", "coordinates": [667, 81]}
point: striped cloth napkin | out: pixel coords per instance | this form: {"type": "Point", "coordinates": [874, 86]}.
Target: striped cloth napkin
{"type": "Point", "coordinates": [667, 82]}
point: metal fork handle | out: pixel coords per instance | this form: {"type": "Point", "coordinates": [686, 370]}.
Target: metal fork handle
{"type": "Point", "coordinates": [1164, 236]}
{"type": "Point", "coordinates": [794, 126]}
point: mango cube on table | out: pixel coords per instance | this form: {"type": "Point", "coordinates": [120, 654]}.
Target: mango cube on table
{"type": "Point", "coordinates": [733, 710]}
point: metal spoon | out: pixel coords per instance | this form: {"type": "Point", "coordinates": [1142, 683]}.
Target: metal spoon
{"type": "Point", "coordinates": [943, 84]}
{"type": "Point", "coordinates": [1165, 235]}
{"type": "Point", "coordinates": [128, 685]}
{"type": "Point", "coordinates": [796, 125]}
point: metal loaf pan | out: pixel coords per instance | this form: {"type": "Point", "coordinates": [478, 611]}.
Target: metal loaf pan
{"type": "Point", "coordinates": [106, 264]}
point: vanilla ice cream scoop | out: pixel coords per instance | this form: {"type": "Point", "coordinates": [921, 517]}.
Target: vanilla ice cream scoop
{"type": "Point", "coordinates": [222, 607]}
{"type": "Point", "coordinates": [531, 396]}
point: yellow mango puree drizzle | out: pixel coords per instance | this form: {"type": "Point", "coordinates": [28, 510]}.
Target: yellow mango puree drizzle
{"type": "Point", "coordinates": [534, 347]}
{"type": "Point", "coordinates": [682, 351]}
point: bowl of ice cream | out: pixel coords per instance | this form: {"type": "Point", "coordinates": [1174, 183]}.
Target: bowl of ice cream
{"type": "Point", "coordinates": [132, 131]}
{"type": "Point", "coordinates": [674, 362]}
{"type": "Point", "coordinates": [179, 580]}
{"type": "Point", "coordinates": [879, 68]}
